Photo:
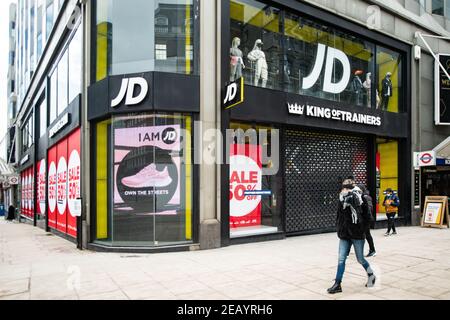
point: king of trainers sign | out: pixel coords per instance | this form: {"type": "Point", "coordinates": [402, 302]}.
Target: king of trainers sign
{"type": "Point", "coordinates": [312, 111]}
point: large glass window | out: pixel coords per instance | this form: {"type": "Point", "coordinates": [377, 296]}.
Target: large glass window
{"type": "Point", "coordinates": [63, 78]}
{"type": "Point", "coordinates": [387, 172]}
{"type": "Point", "coordinates": [53, 96]}
{"type": "Point", "coordinates": [249, 214]}
{"type": "Point", "coordinates": [281, 50]}
{"type": "Point", "coordinates": [389, 71]}
{"type": "Point", "coordinates": [43, 118]}
{"type": "Point", "coordinates": [149, 184]}
{"type": "Point", "coordinates": [75, 64]}
{"type": "Point", "coordinates": [28, 134]}
{"type": "Point", "coordinates": [66, 79]}
{"type": "Point", "coordinates": [49, 17]}
{"type": "Point", "coordinates": [160, 34]}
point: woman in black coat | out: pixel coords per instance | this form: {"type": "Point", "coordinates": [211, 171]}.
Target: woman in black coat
{"type": "Point", "coordinates": [351, 232]}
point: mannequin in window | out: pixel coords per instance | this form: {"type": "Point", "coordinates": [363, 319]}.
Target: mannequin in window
{"type": "Point", "coordinates": [368, 86]}
{"type": "Point", "coordinates": [236, 62]}
{"type": "Point", "coordinates": [261, 68]}
{"type": "Point", "coordinates": [386, 91]}
{"type": "Point", "coordinates": [357, 88]}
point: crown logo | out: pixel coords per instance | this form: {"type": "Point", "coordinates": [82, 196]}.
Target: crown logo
{"type": "Point", "coordinates": [296, 108]}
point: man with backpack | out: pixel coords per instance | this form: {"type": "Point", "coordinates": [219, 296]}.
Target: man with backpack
{"type": "Point", "coordinates": [369, 220]}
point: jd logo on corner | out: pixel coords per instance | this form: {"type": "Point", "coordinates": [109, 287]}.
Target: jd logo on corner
{"type": "Point", "coordinates": [129, 87]}
{"type": "Point", "coordinates": [234, 94]}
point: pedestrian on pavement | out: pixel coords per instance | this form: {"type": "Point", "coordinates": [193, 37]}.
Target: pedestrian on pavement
{"type": "Point", "coordinates": [351, 232]}
{"type": "Point", "coordinates": [391, 203]}
{"type": "Point", "coordinates": [369, 221]}
{"type": "Point", "coordinates": [11, 213]}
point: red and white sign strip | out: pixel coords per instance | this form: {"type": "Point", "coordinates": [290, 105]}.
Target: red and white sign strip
{"type": "Point", "coordinates": [245, 175]}
{"type": "Point", "coordinates": [27, 196]}
{"type": "Point", "coordinates": [74, 183]}
{"type": "Point", "coordinates": [41, 188]}
{"type": "Point", "coordinates": [64, 185]}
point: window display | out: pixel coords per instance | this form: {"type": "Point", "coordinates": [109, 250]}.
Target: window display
{"type": "Point", "coordinates": [255, 198]}
{"type": "Point", "coordinates": [389, 70]}
{"type": "Point", "coordinates": [151, 175]}
{"type": "Point", "coordinates": [387, 171]}
{"type": "Point", "coordinates": [294, 53]}
{"type": "Point", "coordinates": [237, 62]}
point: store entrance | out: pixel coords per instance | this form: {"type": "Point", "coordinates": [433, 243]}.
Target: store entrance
{"type": "Point", "coordinates": [315, 164]}
{"type": "Point", "coordinates": [435, 182]}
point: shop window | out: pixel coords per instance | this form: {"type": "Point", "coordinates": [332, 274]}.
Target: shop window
{"type": "Point", "coordinates": [253, 215]}
{"type": "Point", "coordinates": [281, 50]}
{"type": "Point", "coordinates": [153, 23]}
{"type": "Point", "coordinates": [144, 180]}
{"type": "Point", "coordinates": [256, 47]}
{"type": "Point", "coordinates": [389, 71]}
{"type": "Point", "coordinates": [387, 172]}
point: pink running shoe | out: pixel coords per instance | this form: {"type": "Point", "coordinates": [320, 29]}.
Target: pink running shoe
{"type": "Point", "coordinates": [148, 177]}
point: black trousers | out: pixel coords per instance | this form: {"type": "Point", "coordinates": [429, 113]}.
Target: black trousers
{"type": "Point", "coordinates": [391, 222]}
{"type": "Point", "coordinates": [370, 239]}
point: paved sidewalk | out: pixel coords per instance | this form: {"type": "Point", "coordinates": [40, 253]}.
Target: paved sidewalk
{"type": "Point", "coordinates": [34, 265]}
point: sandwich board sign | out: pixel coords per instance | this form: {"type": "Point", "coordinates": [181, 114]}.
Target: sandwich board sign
{"type": "Point", "coordinates": [436, 213]}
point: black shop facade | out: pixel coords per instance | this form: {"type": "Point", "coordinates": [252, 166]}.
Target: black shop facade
{"type": "Point", "coordinates": [335, 96]}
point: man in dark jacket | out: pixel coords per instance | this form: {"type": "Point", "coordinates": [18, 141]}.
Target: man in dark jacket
{"type": "Point", "coordinates": [351, 232]}
{"type": "Point", "coordinates": [11, 213]}
{"type": "Point", "coordinates": [369, 220]}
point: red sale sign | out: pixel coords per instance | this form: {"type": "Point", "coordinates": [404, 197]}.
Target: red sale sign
{"type": "Point", "coordinates": [41, 187]}
{"type": "Point", "coordinates": [245, 175]}
{"type": "Point", "coordinates": [52, 186]}
{"type": "Point", "coordinates": [74, 183]}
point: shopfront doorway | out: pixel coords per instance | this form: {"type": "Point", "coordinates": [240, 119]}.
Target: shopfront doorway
{"type": "Point", "coordinates": [315, 164]}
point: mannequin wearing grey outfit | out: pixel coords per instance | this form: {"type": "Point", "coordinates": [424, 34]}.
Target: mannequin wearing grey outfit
{"type": "Point", "coordinates": [236, 62]}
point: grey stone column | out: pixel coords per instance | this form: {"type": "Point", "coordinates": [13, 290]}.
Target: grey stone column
{"type": "Point", "coordinates": [85, 127]}
{"type": "Point", "coordinates": [209, 117]}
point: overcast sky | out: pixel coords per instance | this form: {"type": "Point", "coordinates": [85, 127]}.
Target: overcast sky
{"type": "Point", "coordinates": [4, 48]}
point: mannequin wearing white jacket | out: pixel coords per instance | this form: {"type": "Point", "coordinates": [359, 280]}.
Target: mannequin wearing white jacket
{"type": "Point", "coordinates": [261, 68]}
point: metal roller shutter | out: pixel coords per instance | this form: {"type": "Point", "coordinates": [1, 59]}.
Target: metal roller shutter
{"type": "Point", "coordinates": [315, 164]}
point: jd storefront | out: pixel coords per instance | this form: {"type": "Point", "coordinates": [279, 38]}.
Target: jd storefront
{"type": "Point", "coordinates": [142, 103]}
{"type": "Point", "coordinates": [143, 175]}
{"type": "Point", "coordinates": [337, 93]}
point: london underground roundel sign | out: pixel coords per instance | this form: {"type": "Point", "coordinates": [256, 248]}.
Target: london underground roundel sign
{"type": "Point", "coordinates": [426, 158]}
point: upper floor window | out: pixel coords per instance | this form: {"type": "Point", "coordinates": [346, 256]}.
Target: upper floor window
{"type": "Point", "coordinates": [158, 35]}
{"type": "Point", "coordinates": [28, 134]}
{"type": "Point", "coordinates": [437, 7]}
{"type": "Point", "coordinates": [291, 52]}
{"type": "Point", "coordinates": [65, 81]}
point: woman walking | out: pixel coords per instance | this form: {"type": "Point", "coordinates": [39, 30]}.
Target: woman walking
{"type": "Point", "coordinates": [351, 232]}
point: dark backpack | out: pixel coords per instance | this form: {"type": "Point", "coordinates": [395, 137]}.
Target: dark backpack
{"type": "Point", "coordinates": [367, 208]}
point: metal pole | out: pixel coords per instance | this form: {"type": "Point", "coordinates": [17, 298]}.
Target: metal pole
{"type": "Point", "coordinates": [418, 34]}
